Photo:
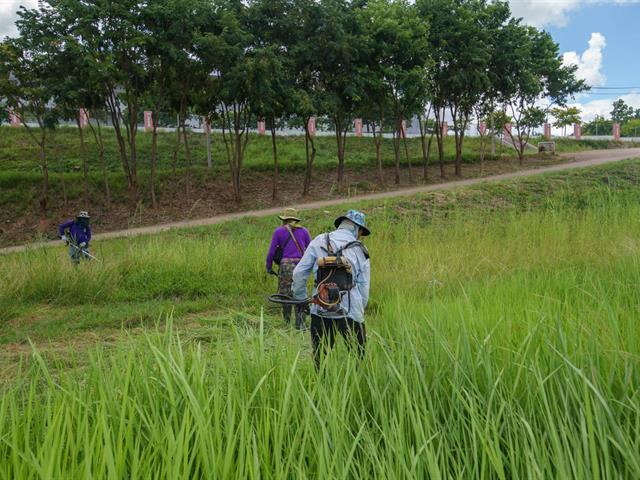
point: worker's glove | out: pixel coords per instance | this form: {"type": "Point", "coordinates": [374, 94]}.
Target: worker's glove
{"type": "Point", "coordinates": [64, 239]}
{"type": "Point", "coordinates": [83, 244]}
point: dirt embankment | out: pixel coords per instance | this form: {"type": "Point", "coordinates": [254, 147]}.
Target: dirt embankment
{"type": "Point", "coordinates": [212, 201]}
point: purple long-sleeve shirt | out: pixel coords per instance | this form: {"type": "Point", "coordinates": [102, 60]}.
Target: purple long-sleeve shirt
{"type": "Point", "coordinates": [279, 238]}
{"type": "Point", "coordinates": [79, 234]}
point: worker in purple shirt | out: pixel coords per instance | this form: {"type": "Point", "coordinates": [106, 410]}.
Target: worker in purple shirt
{"type": "Point", "coordinates": [288, 244]}
{"type": "Point", "coordinates": [77, 234]}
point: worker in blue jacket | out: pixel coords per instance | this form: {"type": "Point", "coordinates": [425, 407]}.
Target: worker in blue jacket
{"type": "Point", "coordinates": [77, 234]}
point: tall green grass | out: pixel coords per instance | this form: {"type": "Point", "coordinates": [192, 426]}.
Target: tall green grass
{"type": "Point", "coordinates": [503, 343]}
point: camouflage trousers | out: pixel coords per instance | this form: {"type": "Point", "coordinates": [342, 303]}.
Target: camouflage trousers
{"type": "Point", "coordinates": [285, 279]}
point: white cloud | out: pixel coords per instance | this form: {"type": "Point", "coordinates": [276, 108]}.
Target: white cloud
{"type": "Point", "coordinates": [8, 9]}
{"type": "Point", "coordinates": [603, 106]}
{"type": "Point", "coordinates": [590, 62]}
{"type": "Point", "coordinates": [554, 12]}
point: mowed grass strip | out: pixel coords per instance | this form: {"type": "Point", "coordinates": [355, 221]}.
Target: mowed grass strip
{"type": "Point", "coordinates": [503, 343]}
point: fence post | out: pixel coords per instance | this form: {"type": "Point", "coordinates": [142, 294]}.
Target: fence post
{"type": "Point", "coordinates": [358, 127]}
{"type": "Point", "coordinates": [84, 118]}
{"type": "Point", "coordinates": [616, 132]}
{"type": "Point", "coordinates": [148, 121]}
{"type": "Point", "coordinates": [14, 120]}
{"type": "Point", "coordinates": [311, 126]}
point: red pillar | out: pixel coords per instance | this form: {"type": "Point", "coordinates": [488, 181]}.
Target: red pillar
{"type": "Point", "coordinates": [262, 127]}
{"type": "Point", "coordinates": [547, 131]}
{"type": "Point", "coordinates": [358, 127]}
{"type": "Point", "coordinates": [14, 120]}
{"type": "Point", "coordinates": [482, 128]}
{"type": "Point", "coordinates": [445, 129]}
{"type": "Point", "coordinates": [616, 132]}
{"type": "Point", "coordinates": [577, 131]}
{"type": "Point", "coordinates": [148, 121]}
{"type": "Point", "coordinates": [84, 118]}
{"type": "Point", "coordinates": [507, 129]}
{"type": "Point", "coordinates": [403, 128]}
{"type": "Point", "coordinates": [311, 126]}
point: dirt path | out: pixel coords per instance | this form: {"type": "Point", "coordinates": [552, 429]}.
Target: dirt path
{"type": "Point", "coordinates": [577, 160]}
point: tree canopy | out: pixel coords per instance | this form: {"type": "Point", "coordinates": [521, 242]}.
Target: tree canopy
{"type": "Point", "coordinates": [235, 62]}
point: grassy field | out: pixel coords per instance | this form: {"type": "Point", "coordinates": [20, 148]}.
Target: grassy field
{"type": "Point", "coordinates": [503, 343]}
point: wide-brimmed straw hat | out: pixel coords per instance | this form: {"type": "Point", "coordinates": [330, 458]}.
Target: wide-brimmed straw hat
{"type": "Point", "coordinates": [289, 214]}
{"type": "Point", "coordinates": [356, 217]}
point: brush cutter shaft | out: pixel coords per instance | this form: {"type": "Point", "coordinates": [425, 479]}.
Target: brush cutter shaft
{"type": "Point", "coordinates": [287, 300]}
{"type": "Point", "coordinates": [84, 252]}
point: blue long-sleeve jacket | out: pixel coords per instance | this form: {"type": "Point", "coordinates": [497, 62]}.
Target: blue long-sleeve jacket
{"type": "Point", "coordinates": [77, 232]}
{"type": "Point", "coordinates": [361, 272]}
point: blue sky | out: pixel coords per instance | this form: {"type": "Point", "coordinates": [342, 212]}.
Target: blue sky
{"type": "Point", "coordinates": [601, 37]}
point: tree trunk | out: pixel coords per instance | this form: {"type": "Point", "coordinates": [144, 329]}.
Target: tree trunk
{"type": "Point", "coordinates": [276, 173]}
{"type": "Point", "coordinates": [65, 197]}
{"type": "Point", "coordinates": [209, 156]}
{"type": "Point", "coordinates": [236, 169]}
{"type": "Point", "coordinates": [425, 159]}
{"type": "Point", "coordinates": [310, 152]}
{"type": "Point", "coordinates": [340, 139]}
{"type": "Point", "coordinates": [406, 153]}
{"type": "Point", "coordinates": [459, 140]}
{"type": "Point", "coordinates": [103, 162]}
{"type": "Point", "coordinates": [97, 136]}
{"type": "Point", "coordinates": [134, 165]}
{"type": "Point", "coordinates": [176, 149]}
{"type": "Point", "coordinates": [122, 148]}
{"type": "Point", "coordinates": [187, 154]}
{"type": "Point", "coordinates": [154, 160]}
{"type": "Point", "coordinates": [85, 167]}
{"type": "Point", "coordinates": [440, 142]}
{"type": "Point", "coordinates": [482, 142]}
{"type": "Point", "coordinates": [457, 126]}
{"type": "Point", "coordinates": [493, 137]}
{"type": "Point", "coordinates": [235, 148]}
{"type": "Point", "coordinates": [44, 198]}
{"type": "Point", "coordinates": [128, 161]}
{"type": "Point", "coordinates": [396, 152]}
{"type": "Point", "coordinates": [377, 140]}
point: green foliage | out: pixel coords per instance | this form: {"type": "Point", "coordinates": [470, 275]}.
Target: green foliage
{"type": "Point", "coordinates": [532, 69]}
{"type": "Point", "coordinates": [565, 117]}
{"type": "Point", "coordinates": [631, 128]}
{"type": "Point", "coordinates": [621, 112]}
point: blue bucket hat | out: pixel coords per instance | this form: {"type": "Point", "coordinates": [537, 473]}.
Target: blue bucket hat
{"type": "Point", "coordinates": [356, 217]}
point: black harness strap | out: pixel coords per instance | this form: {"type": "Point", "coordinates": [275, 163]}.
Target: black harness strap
{"type": "Point", "coordinates": [354, 243]}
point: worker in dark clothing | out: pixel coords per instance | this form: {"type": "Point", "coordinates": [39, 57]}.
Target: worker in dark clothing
{"type": "Point", "coordinates": [77, 234]}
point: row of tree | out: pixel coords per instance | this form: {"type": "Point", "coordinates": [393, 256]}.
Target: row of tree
{"type": "Point", "coordinates": [235, 61]}
{"type": "Point", "coordinates": [625, 115]}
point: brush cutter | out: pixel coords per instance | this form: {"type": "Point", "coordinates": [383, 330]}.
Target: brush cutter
{"type": "Point", "coordinates": [84, 252]}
